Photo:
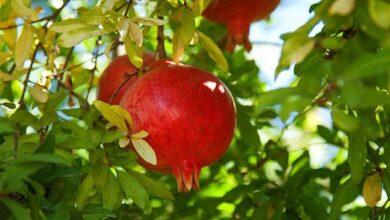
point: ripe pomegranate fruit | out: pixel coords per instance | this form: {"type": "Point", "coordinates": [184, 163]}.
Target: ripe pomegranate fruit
{"type": "Point", "coordinates": [237, 16]}
{"type": "Point", "coordinates": [189, 115]}
{"type": "Point", "coordinates": [115, 74]}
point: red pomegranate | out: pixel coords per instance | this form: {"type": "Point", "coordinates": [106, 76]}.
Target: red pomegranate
{"type": "Point", "coordinates": [114, 75]}
{"type": "Point", "coordinates": [237, 16]}
{"type": "Point", "coordinates": [189, 115]}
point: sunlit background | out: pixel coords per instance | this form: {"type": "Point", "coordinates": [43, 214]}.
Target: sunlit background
{"type": "Point", "coordinates": [267, 45]}
{"type": "Point", "coordinates": [266, 51]}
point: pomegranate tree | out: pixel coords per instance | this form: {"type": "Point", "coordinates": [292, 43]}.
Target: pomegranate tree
{"type": "Point", "coordinates": [114, 76]}
{"type": "Point", "coordinates": [189, 115]}
{"type": "Point", "coordinates": [237, 16]}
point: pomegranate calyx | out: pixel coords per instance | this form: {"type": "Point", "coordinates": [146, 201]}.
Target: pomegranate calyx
{"type": "Point", "coordinates": [238, 34]}
{"type": "Point", "coordinates": [187, 175]}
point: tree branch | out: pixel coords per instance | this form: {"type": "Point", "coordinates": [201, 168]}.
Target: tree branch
{"type": "Point", "coordinates": [161, 54]}
{"type": "Point", "coordinates": [93, 70]}
{"type": "Point", "coordinates": [129, 3]}
{"type": "Point", "coordinates": [27, 79]}
{"type": "Point", "coordinates": [47, 18]}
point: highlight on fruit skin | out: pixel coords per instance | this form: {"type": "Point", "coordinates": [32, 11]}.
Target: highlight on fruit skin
{"type": "Point", "coordinates": [115, 74]}
{"type": "Point", "coordinates": [237, 16]}
{"type": "Point", "coordinates": [189, 114]}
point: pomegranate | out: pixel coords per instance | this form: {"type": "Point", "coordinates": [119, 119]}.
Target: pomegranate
{"type": "Point", "coordinates": [189, 115]}
{"type": "Point", "coordinates": [115, 74]}
{"type": "Point", "coordinates": [237, 16]}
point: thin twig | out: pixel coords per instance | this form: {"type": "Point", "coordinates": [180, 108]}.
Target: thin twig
{"type": "Point", "coordinates": [75, 94]}
{"type": "Point", "coordinates": [61, 74]}
{"type": "Point", "coordinates": [276, 44]}
{"type": "Point", "coordinates": [92, 71]}
{"type": "Point", "coordinates": [47, 18]}
{"type": "Point", "coordinates": [129, 3]}
{"type": "Point", "coordinates": [16, 139]}
{"type": "Point", "coordinates": [27, 79]}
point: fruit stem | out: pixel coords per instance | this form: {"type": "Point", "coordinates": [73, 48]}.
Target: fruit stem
{"type": "Point", "coordinates": [128, 76]}
{"type": "Point", "coordinates": [161, 54]}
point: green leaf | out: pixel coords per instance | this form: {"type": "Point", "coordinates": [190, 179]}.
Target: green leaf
{"type": "Point", "coordinates": [112, 193]}
{"type": "Point", "coordinates": [213, 51]}
{"type": "Point", "coordinates": [93, 16]}
{"type": "Point", "coordinates": [183, 33]}
{"type": "Point", "coordinates": [18, 212]}
{"type": "Point", "coordinates": [359, 96]}
{"type": "Point", "coordinates": [38, 94]}
{"type": "Point", "coordinates": [273, 97]}
{"type": "Point", "coordinates": [154, 187]}
{"type": "Point", "coordinates": [75, 36]}
{"type": "Point", "coordinates": [125, 114]}
{"type": "Point", "coordinates": [248, 131]}
{"type": "Point", "coordinates": [24, 46]}
{"type": "Point", "coordinates": [295, 50]}
{"type": "Point", "coordinates": [379, 10]}
{"type": "Point", "coordinates": [198, 6]}
{"type": "Point", "coordinates": [111, 136]}
{"type": "Point", "coordinates": [68, 25]}
{"type": "Point", "coordinates": [42, 158]}
{"type": "Point", "coordinates": [343, 195]}
{"type": "Point", "coordinates": [135, 34]}
{"type": "Point", "coordinates": [133, 189]}
{"type": "Point", "coordinates": [84, 191]}
{"type": "Point", "coordinates": [357, 154]}
{"type": "Point", "coordinates": [133, 52]}
{"type": "Point", "coordinates": [344, 121]}
{"type": "Point", "coordinates": [369, 65]}
{"type": "Point", "coordinates": [149, 21]}
{"type": "Point", "coordinates": [144, 150]}
{"type": "Point", "coordinates": [116, 115]}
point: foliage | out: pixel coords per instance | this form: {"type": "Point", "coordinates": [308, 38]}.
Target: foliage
{"type": "Point", "coordinates": [61, 156]}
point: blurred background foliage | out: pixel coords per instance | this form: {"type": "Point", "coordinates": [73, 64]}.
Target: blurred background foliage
{"type": "Point", "coordinates": [317, 148]}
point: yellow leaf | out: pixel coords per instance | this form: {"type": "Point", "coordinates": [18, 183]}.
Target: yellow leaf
{"type": "Point", "coordinates": [213, 51]}
{"type": "Point", "coordinates": [124, 142]}
{"type": "Point", "coordinates": [23, 46]}
{"type": "Point", "coordinates": [295, 50]}
{"type": "Point", "coordinates": [6, 77]}
{"type": "Point", "coordinates": [4, 56]}
{"type": "Point", "coordinates": [372, 190]}
{"type": "Point", "coordinates": [2, 2]}
{"type": "Point", "coordinates": [125, 114]}
{"type": "Point", "coordinates": [135, 34]}
{"type": "Point", "coordinates": [342, 7]}
{"type": "Point", "coordinates": [19, 7]}
{"type": "Point", "coordinates": [38, 94]}
{"type": "Point", "coordinates": [139, 135]}
{"type": "Point", "coordinates": [379, 11]}
{"type": "Point", "coordinates": [144, 150]}
{"type": "Point", "coordinates": [114, 114]}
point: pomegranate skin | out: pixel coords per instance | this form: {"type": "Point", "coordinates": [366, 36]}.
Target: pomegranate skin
{"type": "Point", "coordinates": [115, 74]}
{"type": "Point", "coordinates": [237, 16]}
{"type": "Point", "coordinates": [190, 117]}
